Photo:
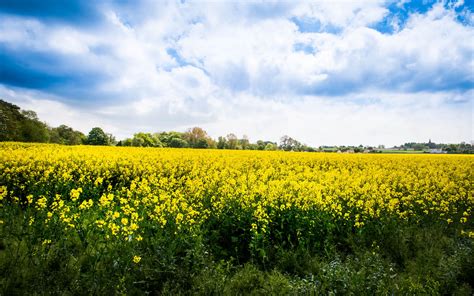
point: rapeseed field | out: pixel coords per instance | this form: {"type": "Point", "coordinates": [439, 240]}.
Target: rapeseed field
{"type": "Point", "coordinates": [138, 220]}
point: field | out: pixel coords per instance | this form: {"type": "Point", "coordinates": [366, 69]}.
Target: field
{"type": "Point", "coordinates": [113, 220]}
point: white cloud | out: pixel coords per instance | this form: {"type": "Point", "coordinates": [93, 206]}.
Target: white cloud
{"type": "Point", "coordinates": [343, 13]}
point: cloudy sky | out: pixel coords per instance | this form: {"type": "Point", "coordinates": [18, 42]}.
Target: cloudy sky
{"type": "Point", "coordinates": [323, 72]}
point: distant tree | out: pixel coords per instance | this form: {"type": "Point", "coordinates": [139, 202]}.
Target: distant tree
{"type": "Point", "coordinates": [178, 143]}
{"type": "Point", "coordinates": [10, 122]}
{"type": "Point", "coordinates": [97, 137]}
{"type": "Point", "coordinates": [289, 144]}
{"type": "Point", "coordinates": [66, 135]}
{"type": "Point", "coordinates": [32, 130]}
{"type": "Point", "coordinates": [244, 142]}
{"type": "Point", "coordinates": [146, 140]}
{"type": "Point", "coordinates": [172, 139]}
{"type": "Point", "coordinates": [138, 142]}
{"type": "Point", "coordinates": [127, 142]}
{"type": "Point", "coordinates": [271, 147]}
{"type": "Point", "coordinates": [261, 145]}
{"type": "Point", "coordinates": [111, 139]}
{"type": "Point", "coordinates": [285, 143]}
{"type": "Point", "coordinates": [18, 125]}
{"type": "Point", "coordinates": [201, 143]}
{"type": "Point", "coordinates": [29, 114]}
{"type": "Point", "coordinates": [252, 146]}
{"type": "Point", "coordinates": [419, 146]}
{"type": "Point", "coordinates": [232, 141]}
{"type": "Point", "coordinates": [221, 142]}
{"type": "Point", "coordinates": [198, 138]}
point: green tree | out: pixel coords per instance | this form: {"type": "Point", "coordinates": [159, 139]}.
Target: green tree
{"type": "Point", "coordinates": [221, 142]}
{"type": "Point", "coordinates": [271, 147]}
{"type": "Point", "coordinates": [33, 130]}
{"type": "Point", "coordinates": [18, 125]}
{"type": "Point", "coordinates": [172, 139]}
{"type": "Point", "coordinates": [289, 144]}
{"type": "Point", "coordinates": [232, 141]}
{"type": "Point", "coordinates": [10, 122]}
{"type": "Point", "coordinates": [419, 146]}
{"type": "Point", "coordinates": [178, 143]}
{"type": "Point", "coordinates": [146, 140]}
{"type": "Point", "coordinates": [66, 135]}
{"type": "Point", "coordinates": [244, 142]}
{"type": "Point", "coordinates": [97, 137]}
{"type": "Point", "coordinates": [127, 142]}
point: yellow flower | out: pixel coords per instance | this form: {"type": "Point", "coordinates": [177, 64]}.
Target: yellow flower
{"type": "Point", "coordinates": [98, 181]}
{"type": "Point", "coordinates": [86, 204]}
{"type": "Point", "coordinates": [75, 193]}
{"type": "Point", "coordinates": [136, 259]}
{"type": "Point", "coordinates": [133, 226]}
{"type": "Point", "coordinates": [100, 223]}
{"type": "Point", "coordinates": [3, 192]}
{"type": "Point", "coordinates": [41, 203]}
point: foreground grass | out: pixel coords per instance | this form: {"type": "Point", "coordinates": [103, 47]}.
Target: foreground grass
{"type": "Point", "coordinates": [406, 260]}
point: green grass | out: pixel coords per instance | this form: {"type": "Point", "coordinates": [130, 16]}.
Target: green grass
{"type": "Point", "coordinates": [397, 259]}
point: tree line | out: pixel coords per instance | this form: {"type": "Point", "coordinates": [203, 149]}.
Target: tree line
{"type": "Point", "coordinates": [25, 126]}
{"type": "Point", "coordinates": [195, 137]}
{"type": "Point", "coordinates": [461, 148]}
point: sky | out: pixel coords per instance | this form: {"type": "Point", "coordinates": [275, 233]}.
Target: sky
{"type": "Point", "coordinates": [323, 72]}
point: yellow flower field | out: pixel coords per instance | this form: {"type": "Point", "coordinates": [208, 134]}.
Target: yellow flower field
{"type": "Point", "coordinates": [127, 187]}
{"type": "Point", "coordinates": [255, 200]}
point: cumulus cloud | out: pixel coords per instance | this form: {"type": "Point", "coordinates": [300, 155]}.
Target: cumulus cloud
{"type": "Point", "coordinates": [322, 72]}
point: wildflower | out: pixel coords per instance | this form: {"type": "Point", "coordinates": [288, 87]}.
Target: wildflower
{"type": "Point", "coordinates": [41, 203]}
{"type": "Point", "coordinates": [136, 259]}
{"type": "Point", "coordinates": [75, 193]}
{"type": "Point", "coordinates": [86, 204]}
{"type": "Point", "coordinates": [98, 181]}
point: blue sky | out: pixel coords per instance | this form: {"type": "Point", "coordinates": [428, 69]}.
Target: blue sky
{"type": "Point", "coordinates": [324, 72]}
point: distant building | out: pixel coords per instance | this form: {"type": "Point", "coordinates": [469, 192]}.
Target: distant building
{"type": "Point", "coordinates": [437, 151]}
